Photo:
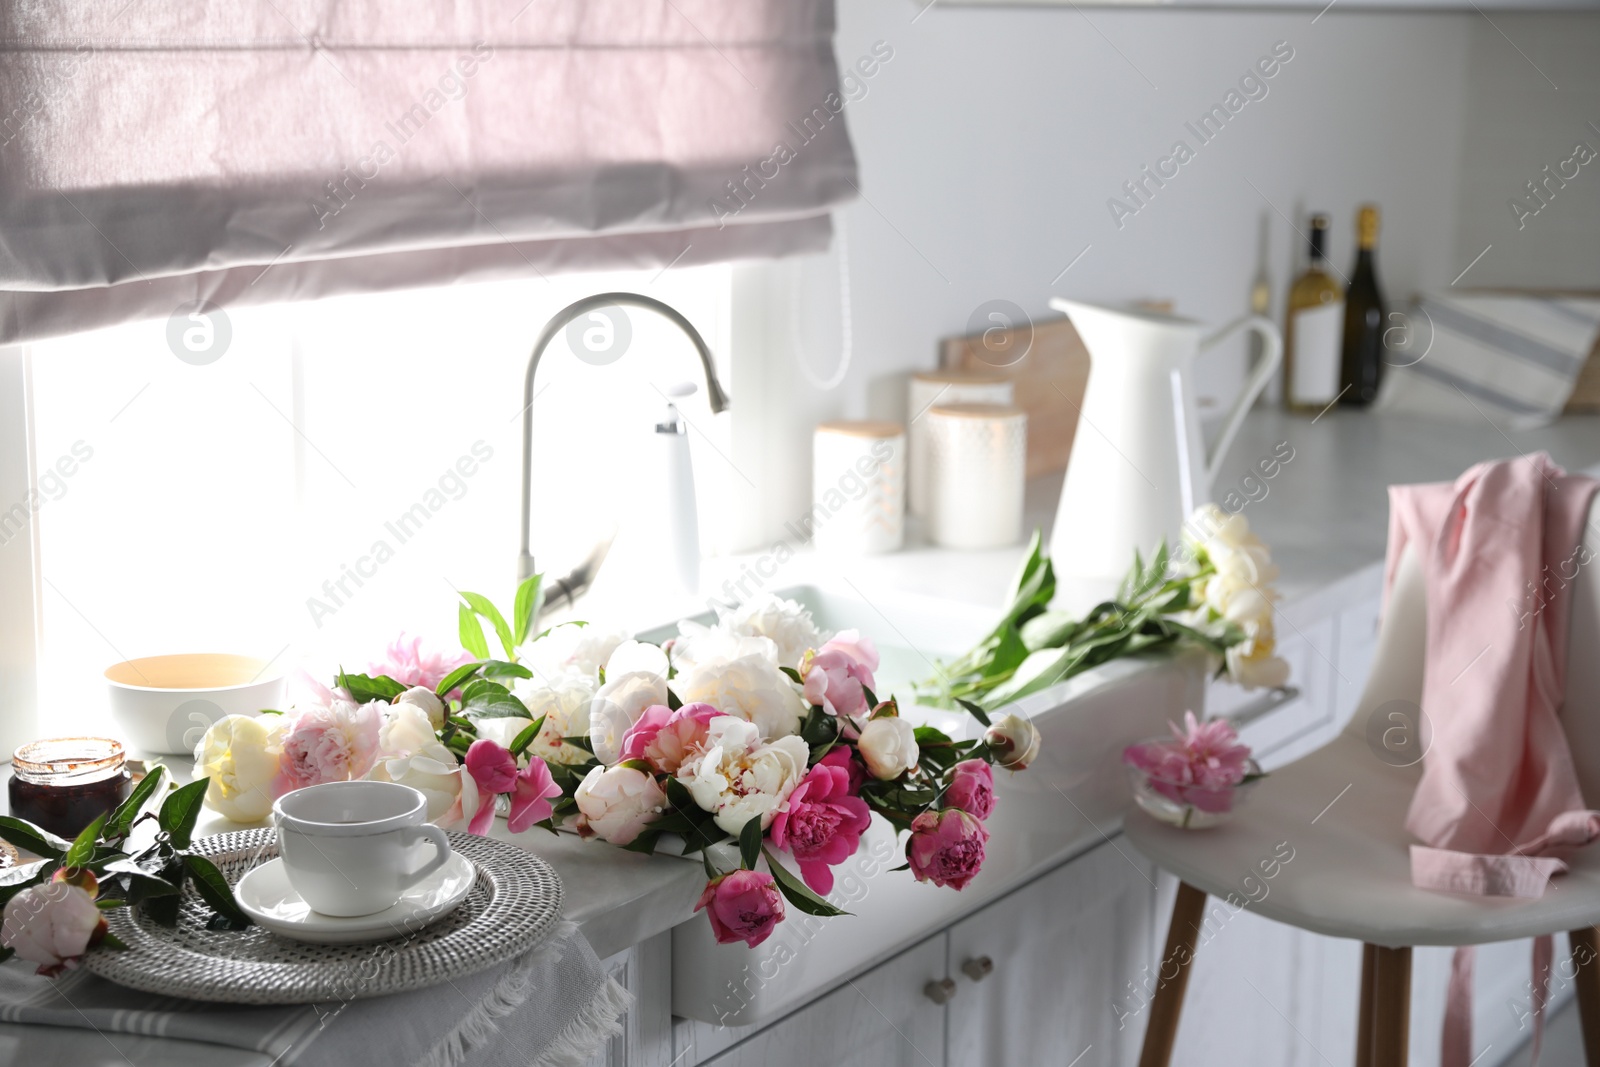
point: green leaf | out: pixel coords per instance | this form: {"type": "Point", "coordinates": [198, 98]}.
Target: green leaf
{"type": "Point", "coordinates": [1052, 629]}
{"type": "Point", "coordinates": [213, 889]}
{"type": "Point", "coordinates": [529, 599]}
{"type": "Point", "coordinates": [364, 690]}
{"type": "Point", "coordinates": [471, 631]}
{"type": "Point", "coordinates": [525, 737]}
{"type": "Point", "coordinates": [162, 909]}
{"type": "Point", "coordinates": [107, 904]}
{"type": "Point", "coordinates": [673, 701]}
{"type": "Point", "coordinates": [499, 668]}
{"type": "Point", "coordinates": [110, 941]}
{"type": "Point", "coordinates": [31, 838]}
{"type": "Point", "coordinates": [582, 741]}
{"type": "Point", "coordinates": [750, 843]}
{"type": "Point", "coordinates": [975, 711]}
{"type": "Point", "coordinates": [82, 850]}
{"type": "Point", "coordinates": [180, 811]}
{"type": "Point", "coordinates": [454, 679]}
{"type": "Point", "coordinates": [121, 820]}
{"type": "Point", "coordinates": [484, 699]}
{"type": "Point", "coordinates": [819, 727]}
{"type": "Point", "coordinates": [482, 605]}
{"type": "Point", "coordinates": [928, 737]}
{"type": "Point", "coordinates": [1039, 671]}
{"type": "Point", "coordinates": [794, 675]}
{"type": "Point", "coordinates": [795, 891]}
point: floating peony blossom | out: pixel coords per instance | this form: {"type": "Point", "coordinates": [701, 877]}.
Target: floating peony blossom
{"type": "Point", "coordinates": [328, 744]}
{"type": "Point", "coordinates": [946, 847]}
{"type": "Point", "coordinates": [822, 822]}
{"type": "Point", "coordinates": [1199, 767]}
{"type": "Point", "coordinates": [407, 663]}
{"type": "Point", "coordinates": [743, 906]}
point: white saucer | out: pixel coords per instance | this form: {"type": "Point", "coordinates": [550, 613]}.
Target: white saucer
{"type": "Point", "coordinates": [267, 897]}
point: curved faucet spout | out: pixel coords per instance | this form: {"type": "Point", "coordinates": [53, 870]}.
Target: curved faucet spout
{"type": "Point", "coordinates": [558, 322]}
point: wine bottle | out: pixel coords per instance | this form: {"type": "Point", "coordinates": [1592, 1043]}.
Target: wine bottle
{"type": "Point", "coordinates": [1362, 356]}
{"type": "Point", "coordinates": [1311, 353]}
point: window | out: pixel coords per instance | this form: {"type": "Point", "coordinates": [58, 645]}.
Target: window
{"type": "Point", "coordinates": [341, 468]}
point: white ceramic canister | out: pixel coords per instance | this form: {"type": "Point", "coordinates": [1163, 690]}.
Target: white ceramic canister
{"type": "Point", "coordinates": [977, 466]}
{"type": "Point", "coordinates": [943, 387]}
{"type": "Point", "coordinates": [858, 487]}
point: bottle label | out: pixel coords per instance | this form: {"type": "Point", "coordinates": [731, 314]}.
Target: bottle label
{"type": "Point", "coordinates": [1316, 353]}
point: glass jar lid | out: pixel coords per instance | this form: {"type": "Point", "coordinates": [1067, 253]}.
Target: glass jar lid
{"type": "Point", "coordinates": [68, 760]}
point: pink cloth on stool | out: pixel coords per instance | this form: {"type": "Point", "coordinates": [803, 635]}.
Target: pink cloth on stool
{"type": "Point", "coordinates": [1498, 805]}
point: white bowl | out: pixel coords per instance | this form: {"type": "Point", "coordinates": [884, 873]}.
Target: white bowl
{"type": "Point", "coordinates": [163, 704]}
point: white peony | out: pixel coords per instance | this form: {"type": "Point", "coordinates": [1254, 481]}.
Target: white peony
{"type": "Point", "coordinates": [697, 644]}
{"type": "Point", "coordinates": [889, 746]}
{"type": "Point", "coordinates": [739, 777]}
{"type": "Point", "coordinates": [786, 623]}
{"type": "Point", "coordinates": [1252, 662]}
{"type": "Point", "coordinates": [750, 687]}
{"type": "Point", "coordinates": [617, 706]}
{"type": "Point", "coordinates": [571, 647]}
{"type": "Point", "coordinates": [564, 704]}
{"type": "Point", "coordinates": [431, 769]}
{"type": "Point", "coordinates": [406, 729]}
{"type": "Point", "coordinates": [239, 753]}
{"type": "Point", "coordinates": [423, 697]}
{"type": "Point", "coordinates": [616, 803]}
{"type": "Point", "coordinates": [51, 925]}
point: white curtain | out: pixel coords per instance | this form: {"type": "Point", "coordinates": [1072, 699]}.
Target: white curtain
{"type": "Point", "coordinates": [157, 152]}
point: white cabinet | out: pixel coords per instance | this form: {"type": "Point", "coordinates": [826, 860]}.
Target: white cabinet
{"type": "Point", "coordinates": [1038, 973]}
{"type": "Point", "coordinates": [883, 1018]}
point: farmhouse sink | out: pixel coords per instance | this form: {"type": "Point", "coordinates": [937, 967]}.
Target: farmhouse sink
{"type": "Point", "coordinates": [1066, 802]}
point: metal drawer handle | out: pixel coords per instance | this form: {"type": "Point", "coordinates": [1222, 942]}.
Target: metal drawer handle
{"type": "Point", "coordinates": [978, 969]}
{"type": "Point", "coordinates": [941, 991]}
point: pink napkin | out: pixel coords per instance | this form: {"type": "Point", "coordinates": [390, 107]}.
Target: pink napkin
{"type": "Point", "coordinates": [1498, 806]}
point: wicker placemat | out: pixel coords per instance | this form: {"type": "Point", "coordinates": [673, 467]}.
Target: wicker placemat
{"type": "Point", "coordinates": [514, 903]}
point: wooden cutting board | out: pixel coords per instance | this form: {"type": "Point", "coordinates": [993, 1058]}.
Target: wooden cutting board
{"type": "Point", "coordinates": [1048, 381]}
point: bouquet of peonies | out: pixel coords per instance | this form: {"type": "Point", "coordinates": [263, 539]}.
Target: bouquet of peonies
{"type": "Point", "coordinates": [758, 730]}
{"type": "Point", "coordinates": [1216, 592]}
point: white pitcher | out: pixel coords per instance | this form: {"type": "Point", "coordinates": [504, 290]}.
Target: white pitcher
{"type": "Point", "coordinates": [1139, 465]}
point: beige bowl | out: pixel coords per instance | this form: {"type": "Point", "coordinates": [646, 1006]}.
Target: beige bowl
{"type": "Point", "coordinates": [163, 704]}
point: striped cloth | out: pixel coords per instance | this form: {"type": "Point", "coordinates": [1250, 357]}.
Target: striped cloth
{"type": "Point", "coordinates": [1512, 358]}
{"type": "Point", "coordinates": [553, 1007]}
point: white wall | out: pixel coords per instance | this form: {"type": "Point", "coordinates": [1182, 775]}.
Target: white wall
{"type": "Point", "coordinates": [1528, 106]}
{"type": "Point", "coordinates": [991, 141]}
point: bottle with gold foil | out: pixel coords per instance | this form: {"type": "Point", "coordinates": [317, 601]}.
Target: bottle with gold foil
{"type": "Point", "coordinates": [1361, 359]}
{"type": "Point", "coordinates": [1311, 333]}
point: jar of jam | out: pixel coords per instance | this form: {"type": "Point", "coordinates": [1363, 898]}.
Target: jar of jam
{"type": "Point", "coordinates": [62, 784]}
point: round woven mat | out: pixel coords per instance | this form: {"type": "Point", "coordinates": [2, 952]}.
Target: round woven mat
{"type": "Point", "coordinates": [511, 907]}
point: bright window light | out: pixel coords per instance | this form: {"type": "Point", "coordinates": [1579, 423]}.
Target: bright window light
{"type": "Point", "coordinates": [342, 468]}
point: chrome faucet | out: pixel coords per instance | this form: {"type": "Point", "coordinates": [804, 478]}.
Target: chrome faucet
{"type": "Point", "coordinates": [714, 392]}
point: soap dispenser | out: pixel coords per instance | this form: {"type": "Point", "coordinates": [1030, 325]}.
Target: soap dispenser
{"type": "Point", "coordinates": [681, 521]}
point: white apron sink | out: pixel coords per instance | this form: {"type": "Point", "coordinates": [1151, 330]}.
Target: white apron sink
{"type": "Point", "coordinates": [1071, 799]}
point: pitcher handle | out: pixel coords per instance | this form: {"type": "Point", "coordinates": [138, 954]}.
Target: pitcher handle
{"type": "Point", "coordinates": [1271, 356]}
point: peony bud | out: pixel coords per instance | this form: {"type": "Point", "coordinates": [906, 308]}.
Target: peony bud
{"type": "Point", "coordinates": [742, 906]}
{"type": "Point", "coordinates": [52, 925]}
{"type": "Point", "coordinates": [424, 698]}
{"type": "Point", "coordinates": [1014, 741]}
{"type": "Point", "coordinates": [889, 747]}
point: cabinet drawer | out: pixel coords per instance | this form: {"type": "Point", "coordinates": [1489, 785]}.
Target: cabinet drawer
{"type": "Point", "coordinates": [1305, 722]}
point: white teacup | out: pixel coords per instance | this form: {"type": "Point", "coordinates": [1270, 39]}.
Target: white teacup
{"type": "Point", "coordinates": [347, 846]}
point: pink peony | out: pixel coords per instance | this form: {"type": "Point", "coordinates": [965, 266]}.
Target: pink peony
{"type": "Point", "coordinates": [742, 906]}
{"type": "Point", "coordinates": [822, 822]}
{"type": "Point", "coordinates": [971, 788]}
{"type": "Point", "coordinates": [838, 674]}
{"type": "Point", "coordinates": [667, 739]}
{"type": "Point", "coordinates": [530, 799]}
{"type": "Point", "coordinates": [406, 662]}
{"type": "Point", "coordinates": [52, 925]}
{"type": "Point", "coordinates": [946, 847]}
{"type": "Point", "coordinates": [1198, 767]}
{"type": "Point", "coordinates": [492, 765]}
{"type": "Point", "coordinates": [328, 744]}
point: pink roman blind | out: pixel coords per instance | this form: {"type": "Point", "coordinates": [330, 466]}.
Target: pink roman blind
{"type": "Point", "coordinates": [155, 152]}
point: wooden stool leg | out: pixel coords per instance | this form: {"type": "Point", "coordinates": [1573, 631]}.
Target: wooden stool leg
{"type": "Point", "coordinates": [1172, 976]}
{"type": "Point", "coordinates": [1369, 975]}
{"type": "Point", "coordinates": [1391, 1007]}
{"type": "Point", "coordinates": [1586, 962]}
